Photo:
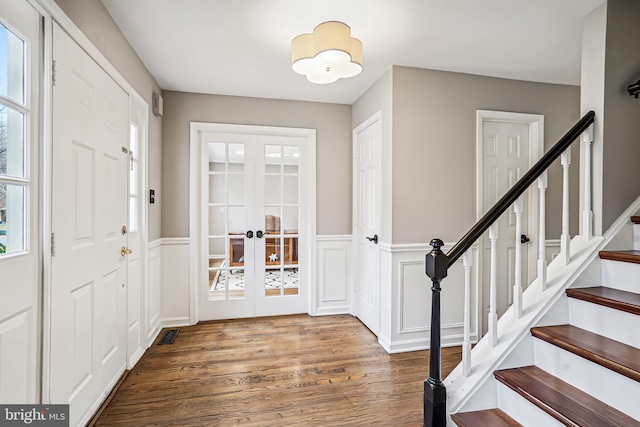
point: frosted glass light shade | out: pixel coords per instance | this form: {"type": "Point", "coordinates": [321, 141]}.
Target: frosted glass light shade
{"type": "Point", "coordinates": [327, 54]}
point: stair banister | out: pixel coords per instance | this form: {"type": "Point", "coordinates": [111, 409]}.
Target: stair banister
{"type": "Point", "coordinates": [437, 264]}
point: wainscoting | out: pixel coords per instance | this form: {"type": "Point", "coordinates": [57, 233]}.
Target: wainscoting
{"type": "Point", "coordinates": [406, 300]}
{"type": "Point", "coordinates": [334, 286]}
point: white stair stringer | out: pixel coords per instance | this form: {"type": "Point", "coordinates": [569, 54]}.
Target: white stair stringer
{"type": "Point", "coordinates": [514, 348]}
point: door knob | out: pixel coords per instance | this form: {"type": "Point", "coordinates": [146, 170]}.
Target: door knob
{"type": "Point", "coordinates": [249, 234]}
{"type": "Point", "coordinates": [125, 251]}
{"type": "Point", "coordinates": [259, 234]}
{"type": "Point", "coordinates": [524, 238]}
{"type": "Point", "coordinates": [373, 239]}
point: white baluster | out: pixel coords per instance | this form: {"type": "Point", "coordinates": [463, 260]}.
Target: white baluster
{"type": "Point", "coordinates": [517, 283]}
{"type": "Point", "coordinates": [493, 293]}
{"type": "Point", "coordinates": [565, 239]}
{"type": "Point", "coordinates": [587, 214]}
{"type": "Point", "coordinates": [542, 262]}
{"type": "Point", "coordinates": [466, 343]}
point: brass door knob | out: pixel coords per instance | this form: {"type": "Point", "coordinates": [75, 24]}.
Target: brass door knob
{"type": "Point", "coordinates": [125, 251]}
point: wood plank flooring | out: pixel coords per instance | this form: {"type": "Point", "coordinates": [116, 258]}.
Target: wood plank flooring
{"type": "Point", "coordinates": [279, 371]}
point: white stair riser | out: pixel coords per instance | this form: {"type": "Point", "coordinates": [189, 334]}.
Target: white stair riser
{"type": "Point", "coordinates": [608, 322]}
{"type": "Point", "coordinates": [523, 411]}
{"type": "Point", "coordinates": [621, 275]}
{"type": "Point", "coordinates": [605, 385]}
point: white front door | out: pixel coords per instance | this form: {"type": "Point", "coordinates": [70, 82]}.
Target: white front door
{"type": "Point", "coordinates": [367, 210]}
{"type": "Point", "coordinates": [89, 209]}
{"type": "Point", "coordinates": [508, 152]}
{"type": "Point", "coordinates": [20, 251]}
{"type": "Point", "coordinates": [255, 216]}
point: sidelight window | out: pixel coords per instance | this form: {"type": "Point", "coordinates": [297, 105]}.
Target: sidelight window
{"type": "Point", "coordinates": [14, 116]}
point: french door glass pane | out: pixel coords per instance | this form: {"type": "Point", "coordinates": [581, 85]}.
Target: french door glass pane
{"type": "Point", "coordinates": [12, 71]}
{"type": "Point", "coordinates": [227, 221]}
{"type": "Point", "coordinates": [12, 214]}
{"type": "Point", "coordinates": [12, 142]}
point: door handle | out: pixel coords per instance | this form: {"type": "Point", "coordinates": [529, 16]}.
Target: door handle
{"type": "Point", "coordinates": [373, 239]}
{"type": "Point", "coordinates": [125, 251]}
{"type": "Point", "coordinates": [524, 238]}
{"type": "Point", "coordinates": [259, 234]}
{"type": "Point", "coordinates": [249, 234]}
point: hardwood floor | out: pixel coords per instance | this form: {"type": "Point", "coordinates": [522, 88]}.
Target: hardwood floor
{"type": "Point", "coordinates": [279, 371]}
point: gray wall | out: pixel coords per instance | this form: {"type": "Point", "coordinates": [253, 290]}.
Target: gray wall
{"type": "Point", "coordinates": [621, 139]}
{"type": "Point", "coordinates": [379, 97]}
{"type": "Point", "coordinates": [333, 150]}
{"type": "Point", "coordinates": [434, 147]}
{"type": "Point", "coordinates": [95, 22]}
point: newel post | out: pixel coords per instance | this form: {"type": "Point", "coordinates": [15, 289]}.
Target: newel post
{"type": "Point", "coordinates": [435, 393]}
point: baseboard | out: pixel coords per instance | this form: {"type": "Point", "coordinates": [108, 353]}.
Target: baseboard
{"type": "Point", "coordinates": [172, 322]}
{"type": "Point", "coordinates": [329, 311]}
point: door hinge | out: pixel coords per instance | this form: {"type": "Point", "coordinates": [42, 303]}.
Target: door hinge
{"type": "Point", "coordinates": [53, 244]}
{"type": "Point", "coordinates": [53, 72]}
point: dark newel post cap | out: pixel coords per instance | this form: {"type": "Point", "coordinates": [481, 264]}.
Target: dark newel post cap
{"type": "Point", "coordinates": [436, 261]}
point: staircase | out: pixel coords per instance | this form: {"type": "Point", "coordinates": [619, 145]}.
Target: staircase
{"type": "Point", "coordinates": [585, 372]}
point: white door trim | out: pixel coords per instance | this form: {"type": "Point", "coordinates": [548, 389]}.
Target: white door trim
{"type": "Point", "coordinates": [536, 150]}
{"type": "Point", "coordinates": [308, 181]}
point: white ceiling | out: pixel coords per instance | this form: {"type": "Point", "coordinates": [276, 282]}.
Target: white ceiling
{"type": "Point", "coordinates": [242, 47]}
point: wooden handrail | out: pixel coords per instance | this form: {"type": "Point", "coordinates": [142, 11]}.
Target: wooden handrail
{"type": "Point", "coordinates": [437, 265]}
{"type": "Point", "coordinates": [520, 187]}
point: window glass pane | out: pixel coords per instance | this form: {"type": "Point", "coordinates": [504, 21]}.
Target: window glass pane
{"type": "Point", "coordinates": [216, 188]}
{"type": "Point", "coordinates": [12, 214]}
{"type": "Point", "coordinates": [291, 159]}
{"type": "Point", "coordinates": [11, 142]}
{"type": "Point", "coordinates": [11, 65]}
{"type": "Point", "coordinates": [133, 177]}
{"type": "Point", "coordinates": [217, 218]}
{"type": "Point", "coordinates": [290, 189]}
{"type": "Point", "coordinates": [236, 157]}
{"type": "Point", "coordinates": [217, 156]}
{"type": "Point", "coordinates": [272, 190]}
{"type": "Point", "coordinates": [236, 219]}
{"type": "Point", "coordinates": [134, 213]}
{"type": "Point", "coordinates": [236, 189]}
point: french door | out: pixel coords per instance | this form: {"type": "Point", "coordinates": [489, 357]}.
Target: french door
{"type": "Point", "coordinates": [254, 224]}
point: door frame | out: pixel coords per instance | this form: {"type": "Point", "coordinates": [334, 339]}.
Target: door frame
{"type": "Point", "coordinates": [535, 122]}
{"type": "Point", "coordinates": [376, 117]}
{"type": "Point", "coordinates": [197, 272]}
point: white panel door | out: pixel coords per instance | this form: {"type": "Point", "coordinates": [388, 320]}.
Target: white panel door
{"type": "Point", "coordinates": [20, 252]}
{"type": "Point", "coordinates": [89, 209]}
{"type": "Point", "coordinates": [506, 159]}
{"type": "Point", "coordinates": [367, 210]}
{"type": "Point", "coordinates": [256, 222]}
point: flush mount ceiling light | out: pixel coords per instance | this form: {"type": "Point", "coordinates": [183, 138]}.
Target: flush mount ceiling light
{"type": "Point", "coordinates": [327, 54]}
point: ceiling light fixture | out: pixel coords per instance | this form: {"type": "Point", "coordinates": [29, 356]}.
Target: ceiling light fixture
{"type": "Point", "coordinates": [327, 54]}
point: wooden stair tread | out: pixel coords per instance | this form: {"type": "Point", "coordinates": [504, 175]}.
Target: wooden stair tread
{"type": "Point", "coordinates": [608, 297]}
{"type": "Point", "coordinates": [562, 401]}
{"type": "Point", "coordinates": [624, 256]}
{"type": "Point", "coordinates": [487, 417]}
{"type": "Point", "coordinates": [621, 358]}
{"type": "Point", "coordinates": [635, 219]}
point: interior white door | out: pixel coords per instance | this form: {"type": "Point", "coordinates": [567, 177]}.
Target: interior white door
{"type": "Point", "coordinates": [20, 251]}
{"type": "Point", "coordinates": [89, 209]}
{"type": "Point", "coordinates": [367, 210]}
{"type": "Point", "coordinates": [136, 331]}
{"type": "Point", "coordinates": [506, 158]}
{"type": "Point", "coordinates": [256, 220]}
